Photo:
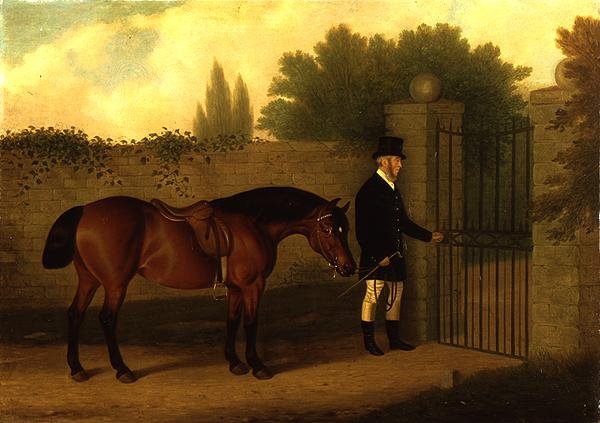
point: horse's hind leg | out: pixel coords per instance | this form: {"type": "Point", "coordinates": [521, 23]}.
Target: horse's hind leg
{"type": "Point", "coordinates": [234, 315]}
{"type": "Point", "coordinates": [113, 299]}
{"type": "Point", "coordinates": [85, 292]}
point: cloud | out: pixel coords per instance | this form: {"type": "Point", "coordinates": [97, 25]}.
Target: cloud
{"type": "Point", "coordinates": [140, 73]}
{"type": "Point", "coordinates": [525, 30]}
{"type": "Point", "coordinates": [44, 89]}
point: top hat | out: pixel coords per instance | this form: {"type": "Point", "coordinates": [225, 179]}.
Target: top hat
{"type": "Point", "coordinates": [389, 146]}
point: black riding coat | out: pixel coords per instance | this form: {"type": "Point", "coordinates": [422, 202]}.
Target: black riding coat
{"type": "Point", "coordinates": [381, 220]}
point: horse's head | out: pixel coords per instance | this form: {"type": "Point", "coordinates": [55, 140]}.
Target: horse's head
{"type": "Point", "coordinates": [329, 237]}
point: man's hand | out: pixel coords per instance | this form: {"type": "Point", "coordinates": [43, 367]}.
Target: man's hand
{"type": "Point", "coordinates": [385, 262]}
{"type": "Point", "coordinates": [437, 237]}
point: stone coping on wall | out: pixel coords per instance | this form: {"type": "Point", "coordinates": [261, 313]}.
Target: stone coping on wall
{"type": "Point", "coordinates": [292, 145]}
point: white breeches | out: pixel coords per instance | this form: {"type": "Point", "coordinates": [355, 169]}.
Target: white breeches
{"type": "Point", "coordinates": [373, 293]}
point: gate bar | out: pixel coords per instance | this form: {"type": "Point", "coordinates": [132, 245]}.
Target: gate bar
{"type": "Point", "coordinates": [450, 227]}
{"type": "Point", "coordinates": [437, 226]}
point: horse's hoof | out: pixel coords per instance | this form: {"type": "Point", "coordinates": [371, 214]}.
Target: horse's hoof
{"type": "Point", "coordinates": [127, 377]}
{"type": "Point", "coordinates": [263, 373]}
{"type": "Point", "coordinates": [238, 369]}
{"type": "Point", "coordinates": [80, 376]}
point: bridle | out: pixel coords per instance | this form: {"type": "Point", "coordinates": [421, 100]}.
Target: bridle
{"type": "Point", "coordinates": [333, 263]}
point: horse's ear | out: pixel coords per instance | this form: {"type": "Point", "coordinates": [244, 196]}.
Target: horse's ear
{"type": "Point", "coordinates": [332, 203]}
{"type": "Point", "coordinates": [345, 207]}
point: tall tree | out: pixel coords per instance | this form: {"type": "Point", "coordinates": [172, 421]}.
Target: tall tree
{"type": "Point", "coordinates": [221, 116]}
{"type": "Point", "coordinates": [339, 92]}
{"type": "Point", "coordinates": [242, 114]}
{"type": "Point", "coordinates": [572, 201]}
{"type": "Point", "coordinates": [218, 103]}
{"type": "Point", "coordinates": [200, 125]}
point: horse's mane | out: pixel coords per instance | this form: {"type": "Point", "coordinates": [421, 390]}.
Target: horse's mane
{"type": "Point", "coordinates": [271, 204]}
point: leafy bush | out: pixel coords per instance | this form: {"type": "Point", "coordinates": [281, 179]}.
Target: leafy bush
{"type": "Point", "coordinates": [572, 199]}
{"type": "Point", "coordinates": [37, 150]}
{"type": "Point", "coordinates": [339, 92]}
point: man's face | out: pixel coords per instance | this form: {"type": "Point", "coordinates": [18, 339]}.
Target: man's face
{"type": "Point", "coordinates": [391, 166]}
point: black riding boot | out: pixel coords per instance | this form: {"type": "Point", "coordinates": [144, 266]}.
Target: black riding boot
{"type": "Point", "coordinates": [391, 327]}
{"type": "Point", "coordinates": [368, 329]}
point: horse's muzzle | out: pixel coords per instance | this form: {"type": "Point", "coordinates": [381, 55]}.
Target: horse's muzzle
{"type": "Point", "coordinates": [346, 269]}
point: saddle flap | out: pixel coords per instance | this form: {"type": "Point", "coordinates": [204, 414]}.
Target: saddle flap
{"type": "Point", "coordinates": [212, 235]}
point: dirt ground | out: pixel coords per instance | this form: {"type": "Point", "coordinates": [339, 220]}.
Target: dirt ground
{"type": "Point", "coordinates": [310, 340]}
{"type": "Point", "coordinates": [324, 381]}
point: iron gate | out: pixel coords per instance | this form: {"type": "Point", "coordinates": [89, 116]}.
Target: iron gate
{"type": "Point", "coordinates": [483, 187]}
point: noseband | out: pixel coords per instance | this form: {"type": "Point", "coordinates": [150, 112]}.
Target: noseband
{"type": "Point", "coordinates": [332, 263]}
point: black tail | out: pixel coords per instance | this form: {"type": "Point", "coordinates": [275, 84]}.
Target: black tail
{"type": "Point", "coordinates": [60, 244]}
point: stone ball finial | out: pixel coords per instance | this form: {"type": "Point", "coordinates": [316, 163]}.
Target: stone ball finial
{"type": "Point", "coordinates": [425, 88]}
{"type": "Point", "coordinates": [561, 79]}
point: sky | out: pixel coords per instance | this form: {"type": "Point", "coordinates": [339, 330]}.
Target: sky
{"type": "Point", "coordinates": [126, 69]}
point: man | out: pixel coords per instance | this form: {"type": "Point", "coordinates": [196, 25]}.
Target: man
{"type": "Point", "coordinates": [381, 219]}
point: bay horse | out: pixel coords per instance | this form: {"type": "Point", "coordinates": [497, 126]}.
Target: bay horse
{"type": "Point", "coordinates": [112, 239]}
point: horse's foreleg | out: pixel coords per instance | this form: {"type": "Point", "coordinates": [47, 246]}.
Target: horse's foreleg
{"type": "Point", "coordinates": [252, 295]}
{"type": "Point", "coordinates": [85, 292]}
{"type": "Point", "coordinates": [108, 319]}
{"type": "Point", "coordinates": [234, 315]}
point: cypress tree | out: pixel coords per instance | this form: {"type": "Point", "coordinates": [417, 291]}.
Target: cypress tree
{"type": "Point", "coordinates": [218, 103]}
{"type": "Point", "coordinates": [200, 126]}
{"type": "Point", "coordinates": [242, 114]}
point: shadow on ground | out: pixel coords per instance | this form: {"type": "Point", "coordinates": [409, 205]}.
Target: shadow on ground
{"type": "Point", "coordinates": [306, 313]}
{"type": "Point", "coordinates": [563, 389]}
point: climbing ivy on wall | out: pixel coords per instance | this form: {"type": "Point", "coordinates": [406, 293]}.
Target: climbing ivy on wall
{"type": "Point", "coordinates": [36, 151]}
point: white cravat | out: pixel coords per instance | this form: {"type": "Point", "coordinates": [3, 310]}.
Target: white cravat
{"type": "Point", "coordinates": [385, 178]}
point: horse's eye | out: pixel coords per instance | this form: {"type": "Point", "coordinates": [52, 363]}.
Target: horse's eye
{"type": "Point", "coordinates": [340, 229]}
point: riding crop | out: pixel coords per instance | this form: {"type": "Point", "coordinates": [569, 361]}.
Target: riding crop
{"type": "Point", "coordinates": [367, 275]}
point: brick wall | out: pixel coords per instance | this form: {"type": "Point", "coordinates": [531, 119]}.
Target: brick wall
{"type": "Point", "coordinates": [307, 165]}
{"type": "Point", "coordinates": [589, 291]}
{"type": "Point", "coordinates": [564, 281]}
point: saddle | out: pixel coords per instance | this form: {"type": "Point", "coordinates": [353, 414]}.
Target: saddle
{"type": "Point", "coordinates": [212, 234]}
